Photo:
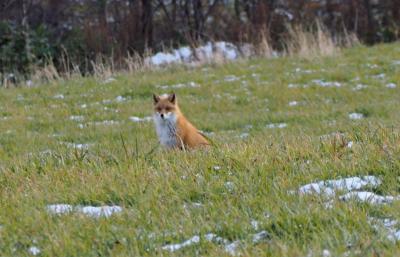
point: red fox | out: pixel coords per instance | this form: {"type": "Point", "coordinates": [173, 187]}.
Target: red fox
{"type": "Point", "coordinates": [173, 129]}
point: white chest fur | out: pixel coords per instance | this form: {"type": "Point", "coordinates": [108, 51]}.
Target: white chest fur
{"type": "Point", "coordinates": [166, 129]}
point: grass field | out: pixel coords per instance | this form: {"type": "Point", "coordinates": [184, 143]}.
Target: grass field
{"type": "Point", "coordinates": [277, 125]}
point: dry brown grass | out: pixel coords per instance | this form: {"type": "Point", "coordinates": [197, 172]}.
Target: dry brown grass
{"type": "Point", "coordinates": [309, 44]}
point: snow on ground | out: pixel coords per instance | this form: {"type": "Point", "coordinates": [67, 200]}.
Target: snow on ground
{"type": "Point", "coordinates": [206, 53]}
{"type": "Point", "coordinates": [293, 103]}
{"type": "Point", "coordinates": [217, 168]}
{"type": "Point", "coordinates": [372, 66]}
{"type": "Point", "coordinates": [120, 99]}
{"type": "Point", "coordinates": [175, 247]}
{"type": "Point", "coordinates": [323, 83]}
{"type": "Point", "coordinates": [180, 85]}
{"type": "Point", "coordinates": [229, 247]}
{"type": "Point", "coordinates": [77, 145]}
{"type": "Point", "coordinates": [379, 76]}
{"type": "Point", "coordinates": [59, 208]}
{"type": "Point", "coordinates": [232, 248]}
{"type": "Point", "coordinates": [391, 85]}
{"type": "Point", "coordinates": [356, 116]}
{"type": "Point", "coordinates": [90, 211]}
{"type": "Point", "coordinates": [359, 87]}
{"type": "Point", "coordinates": [291, 85]}
{"type": "Point", "coordinates": [350, 144]}
{"type": "Point", "coordinates": [368, 197]}
{"type": "Point", "coordinates": [99, 211]}
{"type": "Point", "coordinates": [138, 119]}
{"type": "Point", "coordinates": [76, 117]}
{"type": "Point", "coordinates": [329, 187]}
{"type": "Point", "coordinates": [389, 226]}
{"type": "Point", "coordinates": [255, 224]}
{"type": "Point", "coordinates": [231, 78]}
{"type": "Point", "coordinates": [260, 236]}
{"type": "Point", "coordinates": [326, 253]}
{"type": "Point", "coordinates": [211, 237]}
{"type": "Point", "coordinates": [34, 250]}
{"type": "Point", "coordinates": [244, 135]}
{"type": "Point", "coordinates": [229, 185]}
{"type": "Point", "coordinates": [276, 125]}
{"type": "Point", "coordinates": [109, 80]}
{"type": "Point", "coordinates": [59, 96]}
{"type": "Point", "coordinates": [101, 123]}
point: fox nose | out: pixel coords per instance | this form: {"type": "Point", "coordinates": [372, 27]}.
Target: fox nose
{"type": "Point", "coordinates": [162, 115]}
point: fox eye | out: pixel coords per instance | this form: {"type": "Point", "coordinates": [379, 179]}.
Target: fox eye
{"type": "Point", "coordinates": [168, 109]}
{"type": "Point", "coordinates": [158, 109]}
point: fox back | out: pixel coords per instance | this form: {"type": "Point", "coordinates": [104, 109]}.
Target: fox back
{"type": "Point", "coordinates": [172, 127]}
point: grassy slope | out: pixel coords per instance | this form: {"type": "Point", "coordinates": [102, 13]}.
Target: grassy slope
{"type": "Point", "coordinates": [157, 191]}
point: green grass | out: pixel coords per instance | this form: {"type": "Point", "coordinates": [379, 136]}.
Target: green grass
{"type": "Point", "coordinates": [159, 190]}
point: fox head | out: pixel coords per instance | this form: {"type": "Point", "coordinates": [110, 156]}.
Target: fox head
{"type": "Point", "coordinates": [166, 107]}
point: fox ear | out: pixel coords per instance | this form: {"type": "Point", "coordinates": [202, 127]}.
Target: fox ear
{"type": "Point", "coordinates": [172, 98]}
{"type": "Point", "coordinates": [156, 98]}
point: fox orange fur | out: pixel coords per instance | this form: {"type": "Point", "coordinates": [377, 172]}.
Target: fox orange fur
{"type": "Point", "coordinates": [173, 129]}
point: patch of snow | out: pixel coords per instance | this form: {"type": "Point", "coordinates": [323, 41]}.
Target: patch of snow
{"type": "Point", "coordinates": [211, 237]}
{"type": "Point", "coordinates": [324, 83]}
{"type": "Point", "coordinates": [78, 146]}
{"type": "Point", "coordinates": [293, 103]}
{"type": "Point", "coordinates": [104, 123]}
{"type": "Point", "coordinates": [201, 54]}
{"type": "Point", "coordinates": [276, 125]}
{"type": "Point", "coordinates": [163, 58]}
{"type": "Point", "coordinates": [34, 250]}
{"type": "Point", "coordinates": [391, 85]}
{"type": "Point", "coordinates": [359, 87]}
{"type": "Point", "coordinates": [229, 185]}
{"type": "Point", "coordinates": [99, 211]}
{"type": "Point", "coordinates": [120, 99]}
{"type": "Point", "coordinates": [90, 211]}
{"type": "Point", "coordinates": [394, 236]}
{"type": "Point", "coordinates": [299, 70]}
{"type": "Point", "coordinates": [329, 187]}
{"type": "Point", "coordinates": [350, 144]}
{"type": "Point", "coordinates": [216, 168]}
{"type": "Point", "coordinates": [368, 197]}
{"type": "Point", "coordinates": [389, 225]}
{"type": "Point", "coordinates": [255, 224]}
{"type": "Point", "coordinates": [180, 85]}
{"type": "Point", "coordinates": [109, 80]}
{"type": "Point", "coordinates": [244, 135]}
{"type": "Point", "coordinates": [138, 119]}
{"type": "Point", "coordinates": [356, 116]}
{"type": "Point", "coordinates": [29, 83]}
{"type": "Point", "coordinates": [260, 236]}
{"type": "Point", "coordinates": [379, 76]}
{"type": "Point", "coordinates": [326, 253]}
{"type": "Point", "coordinates": [231, 78]}
{"type": "Point", "coordinates": [76, 117]}
{"type": "Point", "coordinates": [397, 62]}
{"type": "Point", "coordinates": [175, 247]}
{"type": "Point", "coordinates": [232, 248]}
{"type": "Point", "coordinates": [59, 208]}
{"type": "Point", "coordinates": [372, 66]}
{"type": "Point", "coordinates": [297, 86]}
{"type": "Point", "coordinates": [59, 96]}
